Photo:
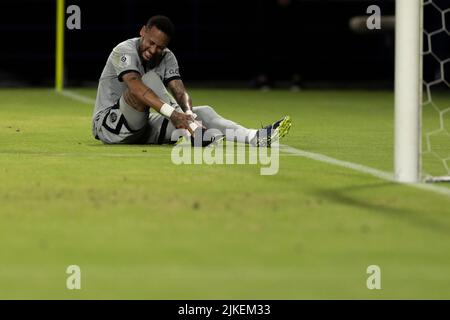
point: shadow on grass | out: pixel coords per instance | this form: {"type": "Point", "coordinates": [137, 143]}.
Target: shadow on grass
{"type": "Point", "coordinates": [418, 218]}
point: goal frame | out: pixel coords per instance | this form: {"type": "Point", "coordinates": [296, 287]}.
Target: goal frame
{"type": "Point", "coordinates": [408, 90]}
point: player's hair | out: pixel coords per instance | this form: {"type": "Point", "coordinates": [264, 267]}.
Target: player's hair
{"type": "Point", "coordinates": [162, 23]}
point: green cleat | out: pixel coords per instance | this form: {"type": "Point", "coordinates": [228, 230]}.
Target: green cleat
{"type": "Point", "coordinates": [270, 134]}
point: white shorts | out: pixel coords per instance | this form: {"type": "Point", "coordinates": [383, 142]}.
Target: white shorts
{"type": "Point", "coordinates": [115, 125]}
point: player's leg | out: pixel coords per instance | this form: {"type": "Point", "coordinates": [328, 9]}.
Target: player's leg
{"type": "Point", "coordinates": [152, 122]}
{"type": "Point", "coordinates": [111, 127]}
{"type": "Point", "coordinates": [122, 123]}
{"type": "Point", "coordinates": [137, 119]}
{"type": "Point", "coordinates": [261, 137]}
{"type": "Point", "coordinates": [160, 128]}
{"type": "Point", "coordinates": [212, 120]}
{"type": "Point", "coordinates": [154, 82]}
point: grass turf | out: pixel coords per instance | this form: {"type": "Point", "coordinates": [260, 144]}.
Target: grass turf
{"type": "Point", "coordinates": [141, 227]}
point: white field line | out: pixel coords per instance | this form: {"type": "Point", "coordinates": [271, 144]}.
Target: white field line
{"type": "Point", "coordinates": [77, 97]}
{"type": "Point", "coordinates": [360, 168]}
{"type": "Point", "coordinates": [314, 156]}
{"type": "Point", "coordinates": [349, 165]}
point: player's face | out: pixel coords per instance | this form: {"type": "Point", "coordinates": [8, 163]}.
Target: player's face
{"type": "Point", "coordinates": [153, 42]}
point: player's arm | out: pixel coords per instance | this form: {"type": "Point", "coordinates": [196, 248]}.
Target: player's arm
{"type": "Point", "coordinates": [180, 94]}
{"type": "Point", "coordinates": [140, 96]}
{"type": "Point", "coordinates": [183, 99]}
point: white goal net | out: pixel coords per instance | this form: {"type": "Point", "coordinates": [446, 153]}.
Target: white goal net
{"type": "Point", "coordinates": [435, 156]}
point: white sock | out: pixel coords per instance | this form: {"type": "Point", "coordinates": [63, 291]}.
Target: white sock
{"type": "Point", "coordinates": [251, 136]}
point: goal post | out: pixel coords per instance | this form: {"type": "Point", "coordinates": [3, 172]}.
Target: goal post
{"type": "Point", "coordinates": [59, 52]}
{"type": "Point", "coordinates": [408, 88]}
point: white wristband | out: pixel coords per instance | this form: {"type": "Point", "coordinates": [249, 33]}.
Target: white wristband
{"type": "Point", "coordinates": [166, 110]}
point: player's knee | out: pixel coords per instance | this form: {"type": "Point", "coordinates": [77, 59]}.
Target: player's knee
{"type": "Point", "coordinates": [204, 111]}
{"type": "Point", "coordinates": [151, 78]}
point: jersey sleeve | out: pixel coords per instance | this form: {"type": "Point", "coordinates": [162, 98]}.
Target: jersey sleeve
{"type": "Point", "coordinates": [172, 71]}
{"type": "Point", "coordinates": [124, 60]}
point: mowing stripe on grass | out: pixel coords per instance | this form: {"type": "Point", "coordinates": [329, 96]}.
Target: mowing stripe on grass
{"type": "Point", "coordinates": [311, 155]}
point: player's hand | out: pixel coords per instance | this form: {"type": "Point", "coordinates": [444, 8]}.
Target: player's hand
{"type": "Point", "coordinates": [191, 113]}
{"type": "Point", "coordinates": [181, 121]}
{"type": "Point", "coordinates": [194, 116]}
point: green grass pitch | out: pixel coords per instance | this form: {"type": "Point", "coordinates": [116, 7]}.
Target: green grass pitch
{"type": "Point", "coordinates": [141, 227]}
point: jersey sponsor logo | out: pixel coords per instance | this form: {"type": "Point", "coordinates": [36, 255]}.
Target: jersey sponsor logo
{"type": "Point", "coordinates": [174, 71]}
{"type": "Point", "coordinates": [125, 60]}
{"type": "Point", "coordinates": [113, 117]}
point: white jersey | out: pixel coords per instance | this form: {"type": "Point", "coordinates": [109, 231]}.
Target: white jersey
{"type": "Point", "coordinates": [123, 59]}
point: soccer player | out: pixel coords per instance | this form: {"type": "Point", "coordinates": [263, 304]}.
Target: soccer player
{"type": "Point", "coordinates": [134, 80]}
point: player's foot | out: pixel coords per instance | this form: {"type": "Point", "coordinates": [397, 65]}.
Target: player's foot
{"type": "Point", "coordinates": [183, 141]}
{"type": "Point", "coordinates": [272, 133]}
{"type": "Point", "coordinates": [201, 141]}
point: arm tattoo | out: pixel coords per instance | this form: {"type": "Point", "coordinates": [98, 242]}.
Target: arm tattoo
{"type": "Point", "coordinates": [177, 87]}
{"type": "Point", "coordinates": [180, 94]}
{"type": "Point", "coordinates": [146, 91]}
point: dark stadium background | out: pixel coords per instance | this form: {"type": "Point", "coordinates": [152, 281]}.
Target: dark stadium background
{"type": "Point", "coordinates": [216, 42]}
